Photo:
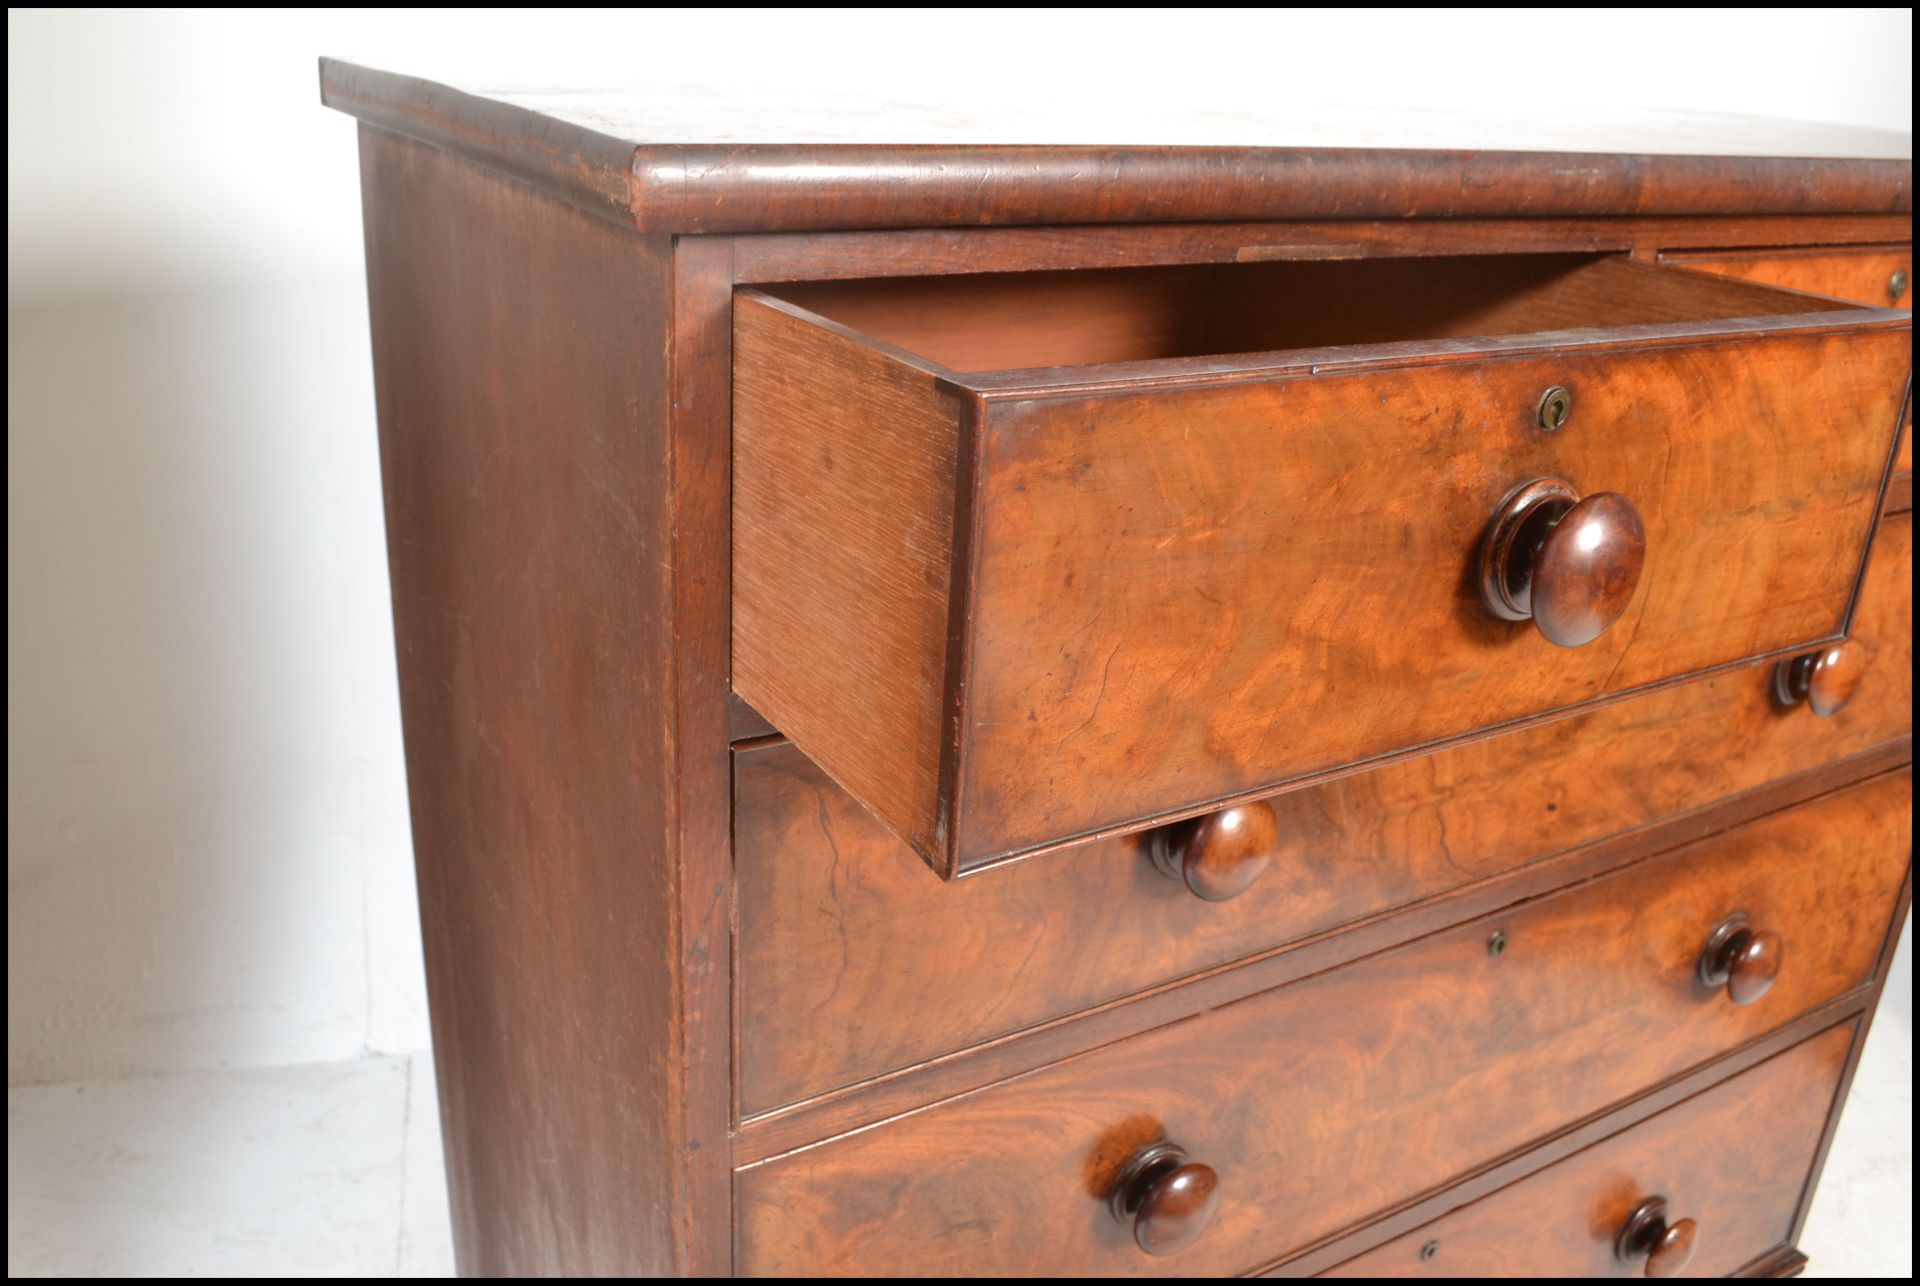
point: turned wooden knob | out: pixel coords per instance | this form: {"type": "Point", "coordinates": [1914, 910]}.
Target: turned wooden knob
{"type": "Point", "coordinates": [1569, 565]}
{"type": "Point", "coordinates": [1219, 855]}
{"type": "Point", "coordinates": [1666, 1248]}
{"type": "Point", "coordinates": [1825, 680]}
{"type": "Point", "coordinates": [1168, 1199]}
{"type": "Point", "coordinates": [1742, 960]}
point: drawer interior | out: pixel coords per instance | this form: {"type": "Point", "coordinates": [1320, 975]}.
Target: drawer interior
{"type": "Point", "coordinates": [1016, 321]}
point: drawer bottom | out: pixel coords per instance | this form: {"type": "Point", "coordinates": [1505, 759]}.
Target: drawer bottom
{"type": "Point", "coordinates": [1734, 1160]}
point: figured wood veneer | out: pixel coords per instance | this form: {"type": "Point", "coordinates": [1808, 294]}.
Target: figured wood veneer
{"type": "Point", "coordinates": [1322, 1102]}
{"type": "Point", "coordinates": [1734, 1159]}
{"type": "Point", "coordinates": [1171, 582]}
{"type": "Point", "coordinates": [1860, 274]}
{"type": "Point", "coordinates": [843, 929]}
{"type": "Point", "coordinates": [553, 330]}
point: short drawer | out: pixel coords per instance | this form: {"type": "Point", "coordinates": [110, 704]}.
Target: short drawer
{"type": "Point", "coordinates": [843, 929]}
{"type": "Point", "coordinates": [1726, 1167]}
{"type": "Point", "coordinates": [1024, 559]}
{"type": "Point", "coordinates": [1877, 276]}
{"type": "Point", "coordinates": [1318, 1104]}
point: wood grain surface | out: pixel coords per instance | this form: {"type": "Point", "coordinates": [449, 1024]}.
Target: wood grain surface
{"type": "Point", "coordinates": [531, 543]}
{"type": "Point", "coordinates": [909, 252]}
{"type": "Point", "coordinates": [1179, 597]}
{"type": "Point", "coordinates": [1859, 274]}
{"type": "Point", "coordinates": [843, 929]}
{"type": "Point", "coordinates": [1320, 1103]}
{"type": "Point", "coordinates": [678, 159]}
{"type": "Point", "coordinates": [1733, 1159]}
{"type": "Point", "coordinates": [846, 465]}
{"type": "Point", "coordinates": [1001, 322]}
{"type": "Point", "coordinates": [1180, 581]}
{"type": "Point", "coordinates": [555, 368]}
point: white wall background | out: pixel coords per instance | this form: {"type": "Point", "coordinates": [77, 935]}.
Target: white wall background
{"type": "Point", "coordinates": [207, 852]}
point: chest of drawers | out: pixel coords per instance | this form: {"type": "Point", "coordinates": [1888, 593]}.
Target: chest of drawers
{"type": "Point", "coordinates": [1250, 706]}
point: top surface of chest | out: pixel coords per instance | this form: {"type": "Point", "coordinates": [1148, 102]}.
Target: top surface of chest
{"type": "Point", "coordinates": [679, 159]}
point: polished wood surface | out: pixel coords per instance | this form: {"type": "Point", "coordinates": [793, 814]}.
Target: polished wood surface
{"type": "Point", "coordinates": [1656, 1240]}
{"type": "Point", "coordinates": [1733, 1160]}
{"type": "Point", "coordinates": [1381, 650]}
{"type": "Point", "coordinates": [880, 1099]}
{"type": "Point", "coordinates": [699, 368]}
{"type": "Point", "coordinates": [536, 659]}
{"type": "Point", "coordinates": [843, 929]}
{"type": "Point", "coordinates": [1878, 276]}
{"type": "Point", "coordinates": [1219, 855]}
{"type": "Point", "coordinates": [1586, 568]}
{"type": "Point", "coordinates": [556, 380]}
{"type": "Point", "coordinates": [1742, 958]}
{"type": "Point", "coordinates": [677, 159]}
{"type": "Point", "coordinates": [912, 252]}
{"type": "Point", "coordinates": [1566, 562]}
{"type": "Point", "coordinates": [1319, 1103]}
{"type": "Point", "coordinates": [1167, 1199]}
{"type": "Point", "coordinates": [1100, 506]}
{"type": "Point", "coordinates": [1826, 680]}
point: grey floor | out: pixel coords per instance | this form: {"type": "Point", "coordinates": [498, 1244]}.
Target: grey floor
{"type": "Point", "coordinates": [336, 1170]}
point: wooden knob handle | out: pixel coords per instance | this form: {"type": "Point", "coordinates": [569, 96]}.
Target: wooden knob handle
{"type": "Point", "coordinates": [1825, 680]}
{"type": "Point", "coordinates": [1666, 1248]}
{"type": "Point", "coordinates": [1168, 1199]}
{"type": "Point", "coordinates": [1741, 959]}
{"type": "Point", "coordinates": [1569, 565]}
{"type": "Point", "coordinates": [1218, 856]}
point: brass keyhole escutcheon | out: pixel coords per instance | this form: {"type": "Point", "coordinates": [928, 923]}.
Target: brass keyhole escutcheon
{"type": "Point", "coordinates": [1555, 405]}
{"type": "Point", "coordinates": [1897, 284]}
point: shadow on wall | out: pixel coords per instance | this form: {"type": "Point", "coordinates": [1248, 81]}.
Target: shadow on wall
{"type": "Point", "coordinates": [207, 853]}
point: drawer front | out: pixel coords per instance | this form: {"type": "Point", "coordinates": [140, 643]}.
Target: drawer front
{"type": "Point", "coordinates": [1877, 276]}
{"type": "Point", "coordinates": [1322, 1102]}
{"type": "Point", "coordinates": [844, 930]}
{"type": "Point", "coordinates": [1173, 583]}
{"type": "Point", "coordinates": [1291, 610]}
{"type": "Point", "coordinates": [1734, 1160]}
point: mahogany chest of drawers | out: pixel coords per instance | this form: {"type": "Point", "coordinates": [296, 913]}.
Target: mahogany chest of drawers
{"type": "Point", "coordinates": [1032, 707]}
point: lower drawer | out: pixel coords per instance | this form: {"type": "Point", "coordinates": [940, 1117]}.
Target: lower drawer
{"type": "Point", "coordinates": [843, 930]}
{"type": "Point", "coordinates": [1733, 1161]}
{"type": "Point", "coordinates": [1323, 1102]}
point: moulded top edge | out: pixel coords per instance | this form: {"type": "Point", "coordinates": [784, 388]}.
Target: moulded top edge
{"type": "Point", "coordinates": [690, 159]}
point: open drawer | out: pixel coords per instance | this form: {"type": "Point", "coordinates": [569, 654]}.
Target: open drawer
{"type": "Point", "coordinates": [1022, 558]}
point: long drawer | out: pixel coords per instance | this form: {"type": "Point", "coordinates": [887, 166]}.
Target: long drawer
{"type": "Point", "coordinates": [1023, 559]}
{"type": "Point", "coordinates": [843, 929]}
{"type": "Point", "coordinates": [1319, 1103]}
{"type": "Point", "coordinates": [1727, 1168]}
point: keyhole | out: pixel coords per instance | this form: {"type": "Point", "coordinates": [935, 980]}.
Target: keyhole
{"type": "Point", "coordinates": [1555, 404]}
